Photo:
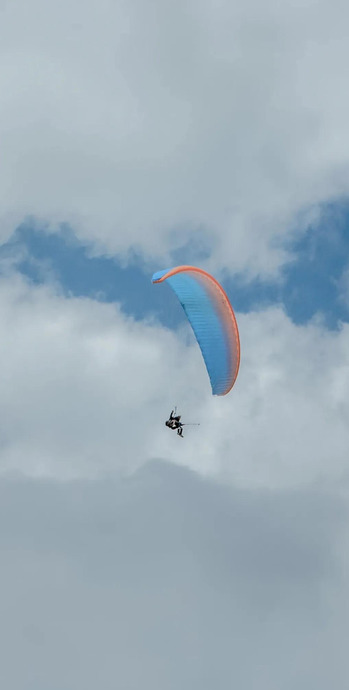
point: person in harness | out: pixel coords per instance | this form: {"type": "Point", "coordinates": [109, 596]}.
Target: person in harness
{"type": "Point", "coordinates": [174, 422]}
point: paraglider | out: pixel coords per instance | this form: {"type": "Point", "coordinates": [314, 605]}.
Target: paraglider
{"type": "Point", "coordinates": [174, 422]}
{"type": "Point", "coordinates": [213, 321]}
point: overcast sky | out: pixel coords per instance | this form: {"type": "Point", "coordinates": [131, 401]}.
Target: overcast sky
{"type": "Point", "coordinates": [136, 136]}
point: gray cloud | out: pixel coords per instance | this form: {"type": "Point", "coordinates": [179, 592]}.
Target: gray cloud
{"type": "Point", "coordinates": [166, 580]}
{"type": "Point", "coordinates": [132, 121]}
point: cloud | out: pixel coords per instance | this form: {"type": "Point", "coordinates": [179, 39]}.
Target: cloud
{"type": "Point", "coordinates": [86, 390]}
{"type": "Point", "coordinates": [147, 128]}
{"type": "Point", "coordinates": [286, 420]}
{"type": "Point", "coordinates": [141, 125]}
{"type": "Point", "coordinates": [80, 382]}
{"type": "Point", "coordinates": [166, 580]}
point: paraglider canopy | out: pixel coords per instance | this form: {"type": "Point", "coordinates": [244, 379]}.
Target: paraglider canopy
{"type": "Point", "coordinates": [212, 319]}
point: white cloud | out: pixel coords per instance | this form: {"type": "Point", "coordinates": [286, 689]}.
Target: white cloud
{"type": "Point", "coordinates": [82, 386]}
{"type": "Point", "coordinates": [86, 391]}
{"type": "Point", "coordinates": [286, 421]}
{"type": "Point", "coordinates": [131, 120]}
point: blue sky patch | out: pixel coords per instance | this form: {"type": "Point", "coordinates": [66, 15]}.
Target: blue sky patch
{"type": "Point", "coordinates": [311, 282]}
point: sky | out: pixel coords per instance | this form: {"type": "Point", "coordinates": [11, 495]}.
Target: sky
{"type": "Point", "coordinates": [134, 137]}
